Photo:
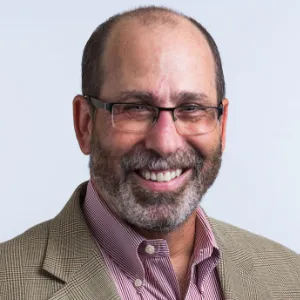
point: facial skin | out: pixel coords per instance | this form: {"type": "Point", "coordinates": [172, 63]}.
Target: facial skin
{"type": "Point", "coordinates": [163, 61]}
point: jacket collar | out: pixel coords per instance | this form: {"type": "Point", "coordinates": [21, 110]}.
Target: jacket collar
{"type": "Point", "coordinates": [72, 256]}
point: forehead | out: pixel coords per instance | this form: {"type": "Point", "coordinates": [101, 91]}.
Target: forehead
{"type": "Point", "coordinates": [158, 57]}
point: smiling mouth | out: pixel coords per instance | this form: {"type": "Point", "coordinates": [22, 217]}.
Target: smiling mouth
{"type": "Point", "coordinates": [161, 175]}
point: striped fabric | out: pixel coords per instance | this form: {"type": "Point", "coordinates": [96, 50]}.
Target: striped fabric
{"type": "Point", "coordinates": [142, 269]}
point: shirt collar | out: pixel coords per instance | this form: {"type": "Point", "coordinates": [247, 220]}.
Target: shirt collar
{"type": "Point", "coordinates": [122, 243]}
{"type": "Point", "coordinates": [115, 237]}
{"type": "Point", "coordinates": [205, 243]}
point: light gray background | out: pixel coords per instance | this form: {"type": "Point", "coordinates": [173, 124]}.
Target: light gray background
{"type": "Point", "coordinates": [41, 164]}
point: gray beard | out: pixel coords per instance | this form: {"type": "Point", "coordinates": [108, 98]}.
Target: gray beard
{"type": "Point", "coordinates": [145, 209]}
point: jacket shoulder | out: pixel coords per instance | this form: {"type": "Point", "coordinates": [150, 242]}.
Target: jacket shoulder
{"type": "Point", "coordinates": [256, 245]}
{"type": "Point", "coordinates": [33, 241]}
{"type": "Point", "coordinates": [22, 258]}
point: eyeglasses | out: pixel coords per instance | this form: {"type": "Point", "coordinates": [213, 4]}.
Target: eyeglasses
{"type": "Point", "coordinates": [189, 119]}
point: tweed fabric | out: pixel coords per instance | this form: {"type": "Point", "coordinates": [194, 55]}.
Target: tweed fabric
{"type": "Point", "coordinates": [59, 260]}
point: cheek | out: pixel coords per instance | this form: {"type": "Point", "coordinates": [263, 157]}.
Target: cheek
{"type": "Point", "coordinates": [114, 141]}
{"type": "Point", "coordinates": [206, 143]}
{"type": "Point", "coordinates": [121, 143]}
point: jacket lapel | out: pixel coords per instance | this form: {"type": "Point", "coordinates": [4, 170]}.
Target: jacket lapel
{"type": "Point", "coordinates": [235, 266]}
{"type": "Point", "coordinates": [73, 257]}
{"type": "Point", "coordinates": [90, 282]}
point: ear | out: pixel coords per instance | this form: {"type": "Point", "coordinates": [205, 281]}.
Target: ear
{"type": "Point", "coordinates": [82, 123]}
{"type": "Point", "coordinates": [224, 122]}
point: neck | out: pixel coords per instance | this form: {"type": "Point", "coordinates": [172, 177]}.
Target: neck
{"type": "Point", "coordinates": [180, 241]}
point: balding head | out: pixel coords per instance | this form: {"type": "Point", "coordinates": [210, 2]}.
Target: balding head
{"type": "Point", "coordinates": [93, 66]}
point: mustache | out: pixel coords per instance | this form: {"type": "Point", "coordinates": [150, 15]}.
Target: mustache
{"type": "Point", "coordinates": [140, 158]}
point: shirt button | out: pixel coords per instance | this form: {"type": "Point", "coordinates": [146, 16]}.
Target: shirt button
{"type": "Point", "coordinates": [138, 282]}
{"type": "Point", "coordinates": [149, 249]}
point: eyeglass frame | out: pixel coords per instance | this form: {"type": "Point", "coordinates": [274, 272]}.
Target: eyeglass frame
{"type": "Point", "coordinates": [99, 103]}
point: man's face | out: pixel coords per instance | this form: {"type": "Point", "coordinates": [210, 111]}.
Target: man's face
{"type": "Point", "coordinates": [164, 62]}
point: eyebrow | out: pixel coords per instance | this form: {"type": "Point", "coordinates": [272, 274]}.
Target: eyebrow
{"type": "Point", "coordinates": [139, 95]}
{"type": "Point", "coordinates": [181, 98]}
{"type": "Point", "coordinates": [187, 97]}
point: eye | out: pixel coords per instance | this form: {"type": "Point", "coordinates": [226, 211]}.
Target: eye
{"type": "Point", "coordinates": [190, 109]}
{"type": "Point", "coordinates": [195, 113]}
{"type": "Point", "coordinates": [135, 108]}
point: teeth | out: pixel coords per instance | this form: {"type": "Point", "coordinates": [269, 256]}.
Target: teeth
{"type": "Point", "coordinates": [167, 176]}
{"type": "Point", "coordinates": [162, 176]}
{"type": "Point", "coordinates": [178, 172]}
{"type": "Point", "coordinates": [147, 175]}
{"type": "Point", "coordinates": [159, 177]}
{"type": "Point", "coordinates": [153, 176]}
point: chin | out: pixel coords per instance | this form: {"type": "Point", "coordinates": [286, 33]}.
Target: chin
{"type": "Point", "coordinates": [159, 218]}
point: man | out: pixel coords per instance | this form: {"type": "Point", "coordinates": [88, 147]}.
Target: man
{"type": "Point", "coordinates": [153, 118]}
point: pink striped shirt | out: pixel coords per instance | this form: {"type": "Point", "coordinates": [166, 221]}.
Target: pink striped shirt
{"type": "Point", "coordinates": [142, 269]}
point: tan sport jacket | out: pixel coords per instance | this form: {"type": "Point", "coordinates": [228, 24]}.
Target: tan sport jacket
{"type": "Point", "coordinates": [59, 260]}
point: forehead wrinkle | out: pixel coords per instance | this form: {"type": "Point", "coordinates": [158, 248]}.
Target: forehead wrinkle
{"type": "Point", "coordinates": [162, 92]}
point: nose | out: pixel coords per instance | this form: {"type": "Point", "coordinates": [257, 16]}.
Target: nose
{"type": "Point", "coordinates": [164, 138]}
